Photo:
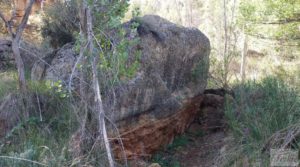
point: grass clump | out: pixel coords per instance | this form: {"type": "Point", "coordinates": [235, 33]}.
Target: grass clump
{"type": "Point", "coordinates": [262, 117]}
{"type": "Point", "coordinates": [42, 137]}
{"type": "Point", "coordinates": [8, 83]}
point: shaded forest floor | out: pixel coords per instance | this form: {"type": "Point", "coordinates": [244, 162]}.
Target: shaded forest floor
{"type": "Point", "coordinates": [195, 148]}
{"type": "Point", "coordinates": [200, 151]}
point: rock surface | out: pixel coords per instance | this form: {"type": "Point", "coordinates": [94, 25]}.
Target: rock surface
{"type": "Point", "coordinates": [56, 65]}
{"type": "Point", "coordinates": [212, 112]}
{"type": "Point", "coordinates": [29, 54]}
{"type": "Point", "coordinates": [163, 97]}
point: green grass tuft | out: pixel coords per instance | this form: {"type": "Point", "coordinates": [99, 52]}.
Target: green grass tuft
{"type": "Point", "coordinates": [262, 108]}
{"type": "Point", "coordinates": [8, 83]}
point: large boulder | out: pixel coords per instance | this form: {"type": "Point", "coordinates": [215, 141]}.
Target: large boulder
{"type": "Point", "coordinates": [56, 65]}
{"type": "Point", "coordinates": [163, 97]}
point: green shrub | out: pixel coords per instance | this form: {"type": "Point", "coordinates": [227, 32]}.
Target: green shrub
{"type": "Point", "coordinates": [262, 108]}
{"type": "Point", "coordinates": [61, 22]}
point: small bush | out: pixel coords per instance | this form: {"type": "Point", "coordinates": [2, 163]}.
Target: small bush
{"type": "Point", "coordinates": [61, 22]}
{"type": "Point", "coordinates": [262, 109]}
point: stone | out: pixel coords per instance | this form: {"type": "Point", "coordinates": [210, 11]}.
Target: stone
{"type": "Point", "coordinates": [165, 94]}
{"type": "Point", "coordinates": [56, 65]}
{"type": "Point", "coordinates": [29, 53]}
{"type": "Point", "coordinates": [211, 115]}
{"type": "Point", "coordinates": [154, 165]}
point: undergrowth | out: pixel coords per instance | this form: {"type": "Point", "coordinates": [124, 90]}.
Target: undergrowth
{"type": "Point", "coordinates": [41, 138]}
{"type": "Point", "coordinates": [263, 117]}
{"type": "Point", "coordinates": [8, 83]}
{"type": "Point", "coordinates": [165, 158]}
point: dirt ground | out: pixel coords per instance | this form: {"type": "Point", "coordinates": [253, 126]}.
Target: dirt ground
{"type": "Point", "coordinates": [199, 149]}
{"type": "Point", "coordinates": [202, 152]}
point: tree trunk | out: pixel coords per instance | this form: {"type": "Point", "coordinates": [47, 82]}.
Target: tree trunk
{"type": "Point", "coordinates": [20, 65]}
{"type": "Point", "coordinates": [16, 37]}
{"type": "Point", "coordinates": [225, 53]}
{"type": "Point", "coordinates": [16, 49]}
{"type": "Point", "coordinates": [87, 25]}
{"type": "Point", "coordinates": [243, 59]}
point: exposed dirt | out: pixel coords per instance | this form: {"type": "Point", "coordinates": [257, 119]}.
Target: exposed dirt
{"type": "Point", "coordinates": [202, 151]}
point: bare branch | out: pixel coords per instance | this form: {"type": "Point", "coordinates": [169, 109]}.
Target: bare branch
{"type": "Point", "coordinates": [7, 24]}
{"type": "Point", "coordinates": [2, 17]}
{"type": "Point", "coordinates": [87, 28]}
{"type": "Point", "coordinates": [23, 23]}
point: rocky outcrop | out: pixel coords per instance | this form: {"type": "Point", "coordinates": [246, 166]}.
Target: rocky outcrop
{"type": "Point", "coordinates": [163, 97]}
{"type": "Point", "coordinates": [56, 65]}
{"type": "Point", "coordinates": [29, 54]}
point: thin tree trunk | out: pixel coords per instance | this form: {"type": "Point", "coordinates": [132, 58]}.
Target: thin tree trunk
{"type": "Point", "coordinates": [16, 49]}
{"type": "Point", "coordinates": [20, 65]}
{"type": "Point", "coordinates": [16, 37]}
{"type": "Point", "coordinates": [243, 67]}
{"type": "Point", "coordinates": [100, 110]}
{"type": "Point", "coordinates": [243, 59]}
{"type": "Point", "coordinates": [98, 98]}
{"type": "Point", "coordinates": [225, 55]}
